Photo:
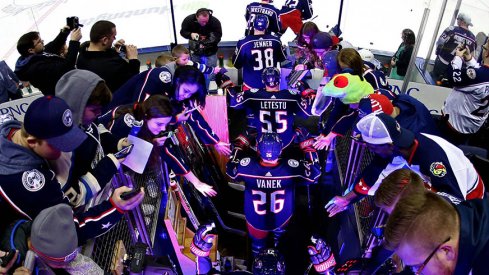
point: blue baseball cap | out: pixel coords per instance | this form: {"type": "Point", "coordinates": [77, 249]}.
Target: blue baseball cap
{"type": "Point", "coordinates": [51, 119]}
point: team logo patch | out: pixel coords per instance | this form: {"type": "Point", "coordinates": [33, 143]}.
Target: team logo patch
{"type": "Point", "coordinates": [471, 73]}
{"type": "Point", "coordinates": [33, 180]}
{"type": "Point", "coordinates": [129, 120]}
{"type": "Point", "coordinates": [165, 77]}
{"type": "Point", "coordinates": [67, 118]}
{"type": "Point", "coordinates": [245, 162]}
{"type": "Point", "coordinates": [293, 163]}
{"type": "Point", "coordinates": [438, 169]}
{"type": "Point", "coordinates": [398, 127]}
{"type": "Point", "coordinates": [254, 90]}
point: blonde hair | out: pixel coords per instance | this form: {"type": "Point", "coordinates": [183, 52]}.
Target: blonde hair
{"type": "Point", "coordinates": [422, 220]}
{"type": "Point", "coordinates": [396, 185]}
{"type": "Point", "coordinates": [163, 59]}
{"type": "Point", "coordinates": [178, 50]}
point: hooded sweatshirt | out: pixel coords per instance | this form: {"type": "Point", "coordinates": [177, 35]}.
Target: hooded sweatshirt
{"type": "Point", "coordinates": [87, 170]}
{"type": "Point", "coordinates": [27, 185]}
{"type": "Point", "coordinates": [45, 69]}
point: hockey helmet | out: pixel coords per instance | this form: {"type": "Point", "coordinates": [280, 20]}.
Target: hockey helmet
{"type": "Point", "coordinates": [330, 63]}
{"type": "Point", "coordinates": [271, 77]}
{"type": "Point", "coordinates": [322, 40]}
{"type": "Point", "coordinates": [269, 262]}
{"type": "Point", "coordinates": [269, 146]}
{"type": "Point", "coordinates": [366, 55]}
{"type": "Point", "coordinates": [261, 22]}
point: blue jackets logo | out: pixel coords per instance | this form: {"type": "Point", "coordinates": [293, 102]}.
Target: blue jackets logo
{"type": "Point", "coordinates": [33, 180]}
{"type": "Point", "coordinates": [438, 169]}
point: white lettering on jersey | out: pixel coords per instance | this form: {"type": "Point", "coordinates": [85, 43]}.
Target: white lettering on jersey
{"type": "Point", "coordinates": [268, 183]}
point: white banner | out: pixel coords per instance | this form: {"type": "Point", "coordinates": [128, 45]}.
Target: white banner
{"type": "Point", "coordinates": [17, 108]}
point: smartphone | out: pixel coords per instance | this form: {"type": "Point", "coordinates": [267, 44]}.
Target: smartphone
{"type": "Point", "coordinates": [130, 194]}
{"type": "Point", "coordinates": [124, 152]}
{"type": "Point", "coordinates": [30, 260]}
{"type": "Point", "coordinates": [7, 258]}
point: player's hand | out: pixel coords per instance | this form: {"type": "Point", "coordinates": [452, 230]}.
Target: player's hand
{"type": "Point", "coordinates": [202, 241]}
{"type": "Point", "coordinates": [126, 204]}
{"type": "Point", "coordinates": [393, 62]}
{"type": "Point", "coordinates": [131, 52]}
{"type": "Point", "coordinates": [223, 148]}
{"type": "Point", "coordinates": [4, 270]}
{"type": "Point", "coordinates": [204, 189]}
{"type": "Point", "coordinates": [321, 256]}
{"type": "Point", "coordinates": [22, 271]}
{"type": "Point", "coordinates": [323, 142]}
{"type": "Point", "coordinates": [76, 35]}
{"type": "Point", "coordinates": [216, 70]}
{"type": "Point", "coordinates": [336, 205]}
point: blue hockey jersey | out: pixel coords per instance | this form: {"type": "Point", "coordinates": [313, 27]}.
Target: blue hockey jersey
{"type": "Point", "coordinates": [270, 191]}
{"type": "Point", "coordinates": [272, 111]}
{"type": "Point", "coordinates": [254, 53]}
{"type": "Point", "coordinates": [451, 38]}
{"type": "Point", "coordinates": [304, 6]}
{"type": "Point", "coordinates": [268, 10]}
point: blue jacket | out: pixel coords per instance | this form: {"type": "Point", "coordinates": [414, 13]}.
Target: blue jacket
{"type": "Point", "coordinates": [473, 250]}
{"type": "Point", "coordinates": [28, 186]}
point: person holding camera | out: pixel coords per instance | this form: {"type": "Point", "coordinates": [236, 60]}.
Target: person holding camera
{"type": "Point", "coordinates": [467, 106]}
{"type": "Point", "coordinates": [204, 32]}
{"type": "Point", "coordinates": [102, 55]}
{"type": "Point", "coordinates": [43, 65]}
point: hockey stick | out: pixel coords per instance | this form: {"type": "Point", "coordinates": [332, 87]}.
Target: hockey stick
{"type": "Point", "coordinates": [175, 186]}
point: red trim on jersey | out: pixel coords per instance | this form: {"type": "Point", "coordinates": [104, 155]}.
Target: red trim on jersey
{"type": "Point", "coordinates": [413, 150]}
{"type": "Point", "coordinates": [256, 233]}
{"type": "Point", "coordinates": [478, 191]}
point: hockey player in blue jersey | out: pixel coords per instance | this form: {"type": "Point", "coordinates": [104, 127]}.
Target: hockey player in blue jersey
{"type": "Point", "coordinates": [256, 52]}
{"type": "Point", "coordinates": [270, 187]}
{"type": "Point", "coordinates": [265, 7]}
{"type": "Point", "coordinates": [293, 12]}
{"type": "Point", "coordinates": [271, 109]}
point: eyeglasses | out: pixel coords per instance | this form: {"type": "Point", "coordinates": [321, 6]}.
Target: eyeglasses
{"type": "Point", "coordinates": [417, 269]}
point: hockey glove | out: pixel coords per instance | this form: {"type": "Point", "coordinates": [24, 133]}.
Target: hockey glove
{"type": "Point", "coordinates": [321, 256]}
{"type": "Point", "coordinates": [241, 142]}
{"type": "Point", "coordinates": [223, 81]}
{"type": "Point", "coordinates": [304, 139]}
{"type": "Point", "coordinates": [202, 241]}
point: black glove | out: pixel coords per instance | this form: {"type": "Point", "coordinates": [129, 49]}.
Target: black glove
{"type": "Point", "coordinates": [223, 81]}
{"type": "Point", "coordinates": [304, 139]}
{"type": "Point", "coordinates": [202, 241]}
{"type": "Point", "coordinates": [241, 142]}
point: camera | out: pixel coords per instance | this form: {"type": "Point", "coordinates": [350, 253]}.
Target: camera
{"type": "Point", "coordinates": [73, 22]}
{"type": "Point", "coordinates": [123, 48]}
